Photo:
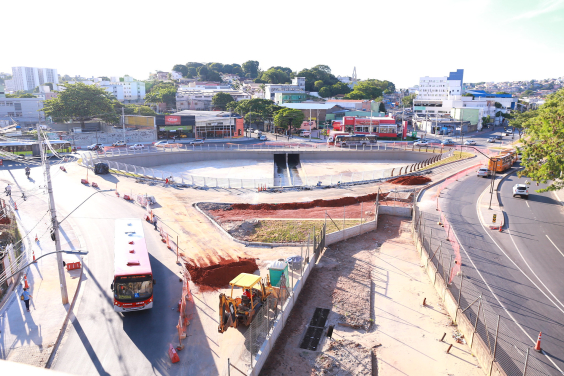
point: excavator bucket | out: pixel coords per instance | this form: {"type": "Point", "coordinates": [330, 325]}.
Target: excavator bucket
{"type": "Point", "coordinates": [227, 313]}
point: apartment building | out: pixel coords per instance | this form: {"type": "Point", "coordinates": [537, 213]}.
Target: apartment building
{"type": "Point", "coordinates": [297, 87]}
{"type": "Point", "coordinates": [28, 78]}
{"type": "Point", "coordinates": [201, 99]}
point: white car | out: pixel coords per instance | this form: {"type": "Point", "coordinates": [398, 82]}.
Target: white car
{"type": "Point", "coordinates": [469, 142]}
{"type": "Point", "coordinates": [137, 147]}
{"type": "Point", "coordinates": [484, 172]}
{"type": "Point", "coordinates": [119, 143]}
{"type": "Point", "coordinates": [521, 190]}
{"type": "Point", "coordinates": [262, 138]}
{"type": "Point", "coordinates": [158, 143]}
{"type": "Point", "coordinates": [196, 141]}
{"type": "Point", "coordinates": [257, 131]}
{"type": "Point", "coordinates": [421, 143]}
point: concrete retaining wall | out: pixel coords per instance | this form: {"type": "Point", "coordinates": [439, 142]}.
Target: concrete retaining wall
{"type": "Point", "coordinates": [350, 232]}
{"type": "Point", "coordinates": [131, 137]}
{"type": "Point", "coordinates": [166, 158]}
{"type": "Point", "coordinates": [399, 211]}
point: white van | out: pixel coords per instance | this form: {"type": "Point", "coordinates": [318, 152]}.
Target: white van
{"type": "Point", "coordinates": [305, 133]}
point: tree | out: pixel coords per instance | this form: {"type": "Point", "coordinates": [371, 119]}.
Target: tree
{"type": "Point", "coordinates": [202, 71]}
{"type": "Point", "coordinates": [218, 67]}
{"type": "Point", "coordinates": [318, 85]}
{"type": "Point", "coordinates": [162, 92]}
{"type": "Point", "coordinates": [213, 76]}
{"type": "Point", "coordinates": [502, 92]}
{"type": "Point", "coordinates": [274, 76]}
{"type": "Point", "coordinates": [370, 89]}
{"type": "Point", "coordinates": [325, 92]}
{"type": "Point", "coordinates": [132, 109]}
{"type": "Point", "coordinates": [382, 107]}
{"type": "Point", "coordinates": [251, 68]}
{"type": "Point", "coordinates": [340, 88]}
{"type": "Point", "coordinates": [103, 78]}
{"type": "Point", "coordinates": [180, 68]}
{"type": "Point", "coordinates": [519, 119]}
{"type": "Point", "coordinates": [253, 117]}
{"type": "Point", "coordinates": [79, 102]}
{"type": "Point", "coordinates": [237, 70]}
{"type": "Point", "coordinates": [408, 100]}
{"type": "Point", "coordinates": [192, 71]}
{"type": "Point", "coordinates": [317, 73]}
{"type": "Point", "coordinates": [287, 118]}
{"type": "Point", "coordinates": [20, 94]}
{"type": "Point", "coordinates": [543, 154]}
{"type": "Point", "coordinates": [220, 100]}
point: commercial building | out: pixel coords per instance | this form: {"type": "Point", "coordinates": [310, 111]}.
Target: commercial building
{"type": "Point", "coordinates": [352, 104]}
{"type": "Point", "coordinates": [24, 111]}
{"type": "Point", "coordinates": [28, 78]}
{"type": "Point", "coordinates": [207, 124]}
{"type": "Point", "coordinates": [192, 98]}
{"type": "Point", "coordinates": [297, 87]}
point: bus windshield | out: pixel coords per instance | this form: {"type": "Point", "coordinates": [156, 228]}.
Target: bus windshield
{"type": "Point", "coordinates": [133, 288]}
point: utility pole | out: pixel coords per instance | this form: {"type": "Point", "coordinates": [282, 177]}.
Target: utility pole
{"type": "Point", "coordinates": [54, 222]}
{"type": "Point", "coordinates": [123, 122]}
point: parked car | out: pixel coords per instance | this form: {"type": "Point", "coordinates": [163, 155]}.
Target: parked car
{"type": "Point", "coordinates": [119, 143]}
{"type": "Point", "coordinates": [491, 139]}
{"type": "Point", "coordinates": [94, 147]}
{"type": "Point", "coordinates": [137, 147]}
{"type": "Point", "coordinates": [469, 142]}
{"type": "Point", "coordinates": [484, 172]}
{"type": "Point", "coordinates": [196, 141]}
{"type": "Point", "coordinates": [262, 138]}
{"type": "Point", "coordinates": [521, 190]}
{"type": "Point", "coordinates": [421, 143]}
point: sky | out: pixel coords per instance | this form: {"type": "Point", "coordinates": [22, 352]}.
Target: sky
{"type": "Point", "coordinates": [399, 41]}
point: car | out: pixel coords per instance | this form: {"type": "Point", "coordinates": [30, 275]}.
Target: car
{"type": "Point", "coordinates": [491, 139]}
{"type": "Point", "coordinates": [119, 143]}
{"type": "Point", "coordinates": [94, 147]}
{"type": "Point", "coordinates": [257, 131]}
{"type": "Point", "coordinates": [447, 142]}
{"type": "Point", "coordinates": [262, 138]}
{"type": "Point", "coordinates": [196, 141]}
{"type": "Point", "coordinates": [509, 131]}
{"type": "Point", "coordinates": [161, 143]}
{"type": "Point", "coordinates": [498, 137]}
{"type": "Point", "coordinates": [483, 172]}
{"type": "Point", "coordinates": [421, 143]}
{"type": "Point", "coordinates": [521, 190]}
{"type": "Point", "coordinates": [137, 146]}
{"type": "Point", "coordinates": [469, 142]}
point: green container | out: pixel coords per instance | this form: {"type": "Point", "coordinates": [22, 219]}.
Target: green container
{"type": "Point", "coordinates": [276, 269]}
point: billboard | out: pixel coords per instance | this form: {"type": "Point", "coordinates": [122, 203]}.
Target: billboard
{"type": "Point", "coordinates": [367, 121]}
{"type": "Point", "coordinates": [175, 120]}
{"type": "Point", "coordinates": [348, 120]}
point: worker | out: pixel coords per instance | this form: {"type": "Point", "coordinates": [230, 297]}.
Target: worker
{"type": "Point", "coordinates": [25, 297]}
{"type": "Point", "coordinates": [247, 293]}
{"type": "Point", "coordinates": [8, 190]}
{"type": "Point", "coordinates": [155, 222]}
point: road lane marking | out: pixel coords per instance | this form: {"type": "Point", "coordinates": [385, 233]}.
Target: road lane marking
{"type": "Point", "coordinates": [489, 288]}
{"type": "Point", "coordinates": [527, 202]}
{"type": "Point", "coordinates": [555, 246]}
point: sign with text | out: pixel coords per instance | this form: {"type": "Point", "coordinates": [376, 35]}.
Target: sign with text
{"type": "Point", "coordinates": [175, 120]}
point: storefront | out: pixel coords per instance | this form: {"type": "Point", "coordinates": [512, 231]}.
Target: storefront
{"type": "Point", "coordinates": [175, 127]}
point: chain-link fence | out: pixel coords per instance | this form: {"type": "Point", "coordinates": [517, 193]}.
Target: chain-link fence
{"type": "Point", "coordinates": [259, 336]}
{"type": "Point", "coordinates": [15, 255]}
{"type": "Point", "coordinates": [510, 350]}
{"type": "Point", "coordinates": [290, 178]}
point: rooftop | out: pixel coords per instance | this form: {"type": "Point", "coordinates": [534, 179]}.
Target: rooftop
{"type": "Point", "coordinates": [308, 106]}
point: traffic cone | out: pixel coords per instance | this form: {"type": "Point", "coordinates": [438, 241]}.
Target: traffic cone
{"type": "Point", "coordinates": [33, 253]}
{"type": "Point", "coordinates": [537, 346]}
{"type": "Point", "coordinates": [36, 239]}
{"type": "Point", "coordinates": [15, 206]}
{"type": "Point", "coordinates": [500, 228]}
{"type": "Point", "coordinates": [25, 282]}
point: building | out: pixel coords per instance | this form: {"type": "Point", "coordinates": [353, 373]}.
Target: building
{"type": "Point", "coordinates": [23, 111]}
{"type": "Point", "coordinates": [297, 87]}
{"type": "Point", "coordinates": [28, 78]}
{"type": "Point", "coordinates": [318, 112]}
{"type": "Point", "coordinates": [195, 99]}
{"type": "Point", "coordinates": [9, 86]}
{"type": "Point", "coordinates": [126, 91]}
{"type": "Point", "coordinates": [207, 124]}
{"type": "Point", "coordinates": [175, 75]}
{"type": "Point", "coordinates": [352, 104]}
{"type": "Point", "coordinates": [281, 98]}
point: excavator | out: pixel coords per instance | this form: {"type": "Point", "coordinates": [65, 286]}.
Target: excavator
{"type": "Point", "coordinates": [241, 310]}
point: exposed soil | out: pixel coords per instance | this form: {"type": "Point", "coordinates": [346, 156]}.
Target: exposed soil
{"type": "Point", "coordinates": [410, 180]}
{"type": "Point", "coordinates": [344, 357]}
{"type": "Point", "coordinates": [220, 274]}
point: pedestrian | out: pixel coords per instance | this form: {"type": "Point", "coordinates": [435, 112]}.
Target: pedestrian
{"type": "Point", "coordinates": [155, 222]}
{"type": "Point", "coordinates": [26, 296]}
{"type": "Point", "coordinates": [8, 190]}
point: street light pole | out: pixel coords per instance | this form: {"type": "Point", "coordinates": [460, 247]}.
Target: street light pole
{"type": "Point", "coordinates": [54, 222]}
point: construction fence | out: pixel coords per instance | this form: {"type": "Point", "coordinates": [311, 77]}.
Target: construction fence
{"type": "Point", "coordinates": [302, 180]}
{"type": "Point", "coordinates": [495, 339]}
{"type": "Point", "coordinates": [269, 321]}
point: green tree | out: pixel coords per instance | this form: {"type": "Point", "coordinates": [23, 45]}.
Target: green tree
{"type": "Point", "coordinates": [220, 100]}
{"type": "Point", "coordinates": [274, 76]}
{"type": "Point", "coordinates": [317, 73]}
{"type": "Point", "coordinates": [382, 107]}
{"type": "Point", "coordinates": [237, 70]}
{"type": "Point", "coordinates": [370, 89]}
{"type": "Point", "coordinates": [543, 154]}
{"type": "Point", "coordinates": [213, 76]}
{"type": "Point", "coordinates": [79, 102]}
{"type": "Point", "coordinates": [340, 88]}
{"type": "Point", "coordinates": [288, 118]}
{"type": "Point", "coordinates": [162, 92]}
{"type": "Point", "coordinates": [20, 94]}
{"type": "Point", "coordinates": [251, 68]}
{"type": "Point", "coordinates": [133, 109]}
{"type": "Point", "coordinates": [318, 85]}
{"type": "Point", "coordinates": [253, 117]}
{"type": "Point", "coordinates": [502, 92]}
{"type": "Point", "coordinates": [519, 119]}
{"type": "Point", "coordinates": [181, 68]}
{"type": "Point", "coordinates": [325, 92]}
{"type": "Point", "coordinates": [218, 67]}
{"type": "Point", "coordinates": [408, 100]}
{"type": "Point", "coordinates": [203, 72]}
{"type": "Point", "coordinates": [192, 72]}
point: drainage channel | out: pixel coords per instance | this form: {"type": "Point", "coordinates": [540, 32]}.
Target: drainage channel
{"type": "Point", "coordinates": [314, 331]}
{"type": "Point", "coordinates": [287, 170]}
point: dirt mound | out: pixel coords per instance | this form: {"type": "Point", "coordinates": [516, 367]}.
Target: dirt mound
{"type": "Point", "coordinates": [219, 275]}
{"type": "Point", "coordinates": [410, 180]}
{"type": "Point", "coordinates": [339, 202]}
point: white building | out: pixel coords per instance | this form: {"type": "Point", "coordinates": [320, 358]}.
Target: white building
{"type": "Point", "coordinates": [174, 75]}
{"type": "Point", "coordinates": [127, 91]}
{"type": "Point", "coordinates": [28, 78]}
{"type": "Point", "coordinates": [297, 87]}
{"type": "Point", "coordinates": [201, 99]}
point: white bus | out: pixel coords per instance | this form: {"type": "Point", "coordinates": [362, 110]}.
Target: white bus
{"type": "Point", "coordinates": [357, 139]}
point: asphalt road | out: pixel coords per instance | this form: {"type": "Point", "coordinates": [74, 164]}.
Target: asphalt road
{"type": "Point", "coordinates": [495, 266]}
{"type": "Point", "coordinates": [100, 340]}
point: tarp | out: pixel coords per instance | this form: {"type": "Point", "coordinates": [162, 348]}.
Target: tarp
{"type": "Point", "coordinates": [101, 168]}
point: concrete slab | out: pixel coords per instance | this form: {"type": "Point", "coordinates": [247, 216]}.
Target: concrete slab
{"type": "Point", "coordinates": [335, 167]}
{"type": "Point", "coordinates": [239, 169]}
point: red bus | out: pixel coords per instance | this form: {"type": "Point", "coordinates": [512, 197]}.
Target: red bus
{"type": "Point", "coordinates": [133, 277]}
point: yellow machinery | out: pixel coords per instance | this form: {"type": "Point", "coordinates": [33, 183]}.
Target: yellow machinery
{"type": "Point", "coordinates": [233, 311]}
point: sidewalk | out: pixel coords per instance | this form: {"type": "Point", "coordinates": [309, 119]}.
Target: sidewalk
{"type": "Point", "coordinates": [28, 337]}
